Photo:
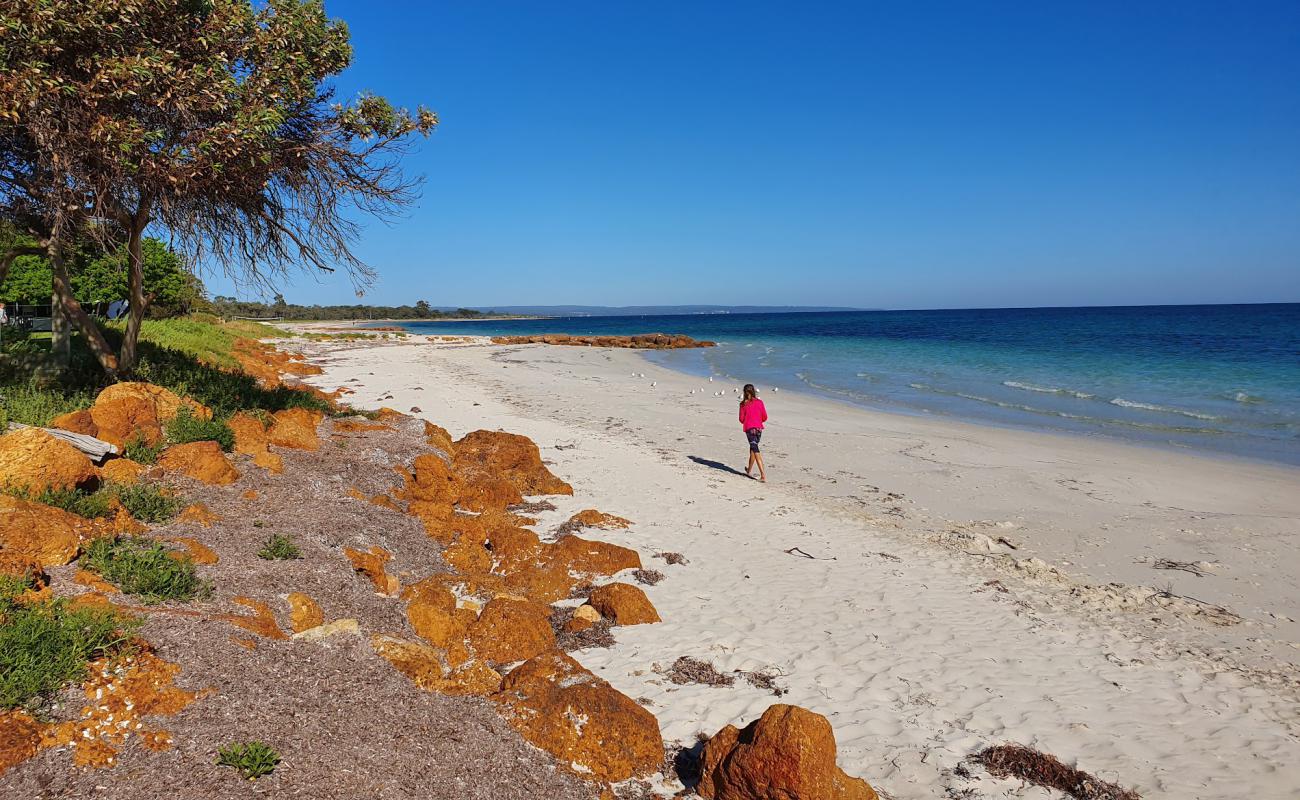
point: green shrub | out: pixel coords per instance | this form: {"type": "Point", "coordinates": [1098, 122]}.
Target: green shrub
{"type": "Point", "coordinates": [33, 403]}
{"type": "Point", "coordinates": [185, 428]}
{"type": "Point", "coordinates": [145, 568]}
{"type": "Point", "coordinates": [148, 502]}
{"type": "Point", "coordinates": [279, 547]}
{"type": "Point", "coordinates": [47, 644]}
{"type": "Point", "coordinates": [91, 505]}
{"type": "Point", "coordinates": [252, 759]}
{"type": "Point", "coordinates": [141, 452]}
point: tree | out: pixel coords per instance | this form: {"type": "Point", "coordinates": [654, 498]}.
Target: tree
{"type": "Point", "coordinates": [210, 119]}
{"type": "Point", "coordinates": [422, 308]}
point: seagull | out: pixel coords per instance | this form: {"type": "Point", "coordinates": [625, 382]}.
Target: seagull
{"type": "Point", "coordinates": [710, 379]}
{"type": "Point", "coordinates": [775, 389]}
{"type": "Point", "coordinates": [653, 384]}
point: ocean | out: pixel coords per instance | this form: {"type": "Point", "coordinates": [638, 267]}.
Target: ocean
{"type": "Point", "coordinates": [1218, 378]}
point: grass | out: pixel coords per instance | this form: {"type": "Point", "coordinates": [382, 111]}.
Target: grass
{"type": "Point", "coordinates": [193, 356]}
{"type": "Point", "coordinates": [141, 452]}
{"type": "Point", "coordinates": [185, 428]}
{"type": "Point", "coordinates": [147, 502]}
{"type": "Point", "coordinates": [279, 547]}
{"type": "Point", "coordinates": [144, 568]}
{"type": "Point", "coordinates": [252, 759]}
{"type": "Point", "coordinates": [46, 644]}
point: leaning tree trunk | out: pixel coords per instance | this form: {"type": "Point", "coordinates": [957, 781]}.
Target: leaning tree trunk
{"type": "Point", "coordinates": [60, 333]}
{"type": "Point", "coordinates": [129, 355]}
{"type": "Point", "coordinates": [67, 309]}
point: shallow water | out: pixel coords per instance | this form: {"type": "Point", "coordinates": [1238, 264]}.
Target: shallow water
{"type": "Point", "coordinates": [1213, 378]}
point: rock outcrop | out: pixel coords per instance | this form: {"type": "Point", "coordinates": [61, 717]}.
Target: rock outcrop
{"type": "Point", "coordinates": [295, 427]}
{"type": "Point", "coordinates": [33, 460]}
{"type": "Point", "coordinates": [251, 440]}
{"type": "Point", "coordinates": [497, 469]}
{"type": "Point", "coordinates": [48, 536]}
{"type": "Point", "coordinates": [787, 753]}
{"type": "Point", "coordinates": [122, 471]}
{"type": "Point", "coordinates": [130, 411]}
{"type": "Point", "coordinates": [623, 603]}
{"type": "Point", "coordinates": [511, 630]}
{"type": "Point", "coordinates": [202, 461]}
{"type": "Point", "coordinates": [561, 707]}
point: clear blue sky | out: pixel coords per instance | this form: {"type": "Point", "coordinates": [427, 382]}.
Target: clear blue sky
{"type": "Point", "coordinates": [901, 155]}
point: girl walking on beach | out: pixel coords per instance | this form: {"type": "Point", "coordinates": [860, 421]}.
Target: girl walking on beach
{"type": "Point", "coordinates": [752, 416]}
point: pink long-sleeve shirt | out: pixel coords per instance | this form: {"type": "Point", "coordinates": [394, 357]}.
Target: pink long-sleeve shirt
{"type": "Point", "coordinates": [753, 414]}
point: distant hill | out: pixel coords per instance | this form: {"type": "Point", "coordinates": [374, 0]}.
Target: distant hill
{"type": "Point", "coordinates": [631, 311]}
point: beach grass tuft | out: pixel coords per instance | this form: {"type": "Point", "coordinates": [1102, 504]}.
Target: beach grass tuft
{"type": "Point", "coordinates": [251, 759]}
{"type": "Point", "coordinates": [144, 568]}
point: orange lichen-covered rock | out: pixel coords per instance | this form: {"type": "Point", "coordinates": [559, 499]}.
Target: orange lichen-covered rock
{"type": "Point", "coordinates": [198, 552]}
{"type": "Point", "coordinates": [584, 617]}
{"type": "Point", "coordinates": [592, 558]}
{"type": "Point", "coordinates": [34, 460]}
{"type": "Point", "coordinates": [198, 514]}
{"type": "Point", "coordinates": [48, 536]}
{"type": "Point", "coordinates": [20, 738]}
{"type": "Point", "coordinates": [261, 621]}
{"type": "Point", "coordinates": [251, 440]}
{"type": "Point", "coordinates": [499, 468]}
{"type": "Point", "coordinates": [623, 603]}
{"type": "Point", "coordinates": [643, 341]}
{"type": "Point", "coordinates": [427, 667]}
{"type": "Point", "coordinates": [371, 564]}
{"type": "Point", "coordinates": [439, 438]}
{"type": "Point", "coordinates": [431, 610]}
{"type": "Point", "coordinates": [18, 565]}
{"type": "Point", "coordinates": [359, 426]}
{"type": "Point", "coordinates": [511, 630]}
{"type": "Point", "coordinates": [788, 752]}
{"type": "Point", "coordinates": [296, 427]}
{"type": "Point", "coordinates": [125, 419]}
{"type": "Point", "coordinates": [75, 422]}
{"type": "Point", "coordinates": [304, 612]}
{"type": "Point", "coordinates": [166, 403]}
{"type": "Point", "coordinates": [122, 471]}
{"type": "Point", "coordinates": [559, 706]}
{"type": "Point", "coordinates": [430, 480]}
{"type": "Point", "coordinates": [202, 461]}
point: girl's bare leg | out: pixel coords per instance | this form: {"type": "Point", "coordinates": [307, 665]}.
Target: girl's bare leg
{"type": "Point", "coordinates": [762, 471]}
{"type": "Point", "coordinates": [750, 466]}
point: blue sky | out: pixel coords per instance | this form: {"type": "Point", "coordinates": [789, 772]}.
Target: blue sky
{"type": "Point", "coordinates": [900, 155]}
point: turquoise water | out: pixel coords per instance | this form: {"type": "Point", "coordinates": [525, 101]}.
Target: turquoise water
{"type": "Point", "coordinates": [1212, 378]}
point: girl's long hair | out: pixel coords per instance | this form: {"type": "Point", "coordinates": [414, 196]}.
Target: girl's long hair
{"type": "Point", "coordinates": [748, 393]}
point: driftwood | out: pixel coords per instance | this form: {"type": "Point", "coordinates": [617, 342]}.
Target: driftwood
{"type": "Point", "coordinates": [97, 449]}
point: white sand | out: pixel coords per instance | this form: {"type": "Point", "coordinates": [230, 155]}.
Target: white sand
{"type": "Point", "coordinates": [892, 630]}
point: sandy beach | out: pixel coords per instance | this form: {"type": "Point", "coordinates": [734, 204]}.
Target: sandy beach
{"type": "Point", "coordinates": [931, 587]}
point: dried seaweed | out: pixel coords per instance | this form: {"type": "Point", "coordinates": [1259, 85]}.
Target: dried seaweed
{"type": "Point", "coordinates": [763, 679]}
{"type": "Point", "coordinates": [691, 670]}
{"type": "Point", "coordinates": [532, 508]}
{"type": "Point", "coordinates": [649, 577]}
{"type": "Point", "coordinates": [1041, 769]}
{"type": "Point", "coordinates": [672, 558]}
{"type": "Point", "coordinates": [1184, 566]}
{"type": "Point", "coordinates": [597, 635]}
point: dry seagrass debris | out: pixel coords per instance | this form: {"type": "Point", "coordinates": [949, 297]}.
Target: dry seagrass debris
{"type": "Point", "coordinates": [691, 670]}
{"type": "Point", "coordinates": [649, 577]}
{"type": "Point", "coordinates": [672, 558]}
{"type": "Point", "coordinates": [763, 679]}
{"type": "Point", "coordinates": [1041, 769]}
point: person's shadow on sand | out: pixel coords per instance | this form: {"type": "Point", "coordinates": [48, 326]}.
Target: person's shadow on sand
{"type": "Point", "coordinates": [717, 465]}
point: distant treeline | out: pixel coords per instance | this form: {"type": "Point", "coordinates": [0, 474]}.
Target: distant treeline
{"type": "Point", "coordinates": [230, 307]}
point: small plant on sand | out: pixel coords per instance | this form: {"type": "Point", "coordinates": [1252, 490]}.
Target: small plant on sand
{"type": "Point", "coordinates": [143, 567]}
{"type": "Point", "coordinates": [148, 502]}
{"type": "Point", "coordinates": [91, 505]}
{"type": "Point", "coordinates": [279, 547]}
{"type": "Point", "coordinates": [185, 428]}
{"type": "Point", "coordinates": [45, 644]}
{"type": "Point", "coordinates": [141, 452]}
{"type": "Point", "coordinates": [252, 759]}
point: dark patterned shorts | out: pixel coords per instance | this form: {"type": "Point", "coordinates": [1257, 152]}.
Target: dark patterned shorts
{"type": "Point", "coordinates": [753, 435]}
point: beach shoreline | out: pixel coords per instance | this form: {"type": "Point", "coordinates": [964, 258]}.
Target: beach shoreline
{"type": "Point", "coordinates": [952, 546]}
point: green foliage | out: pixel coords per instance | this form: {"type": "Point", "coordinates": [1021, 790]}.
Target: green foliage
{"type": "Point", "coordinates": [279, 547]}
{"type": "Point", "coordinates": [229, 306]}
{"type": "Point", "coordinates": [33, 403]}
{"type": "Point", "coordinates": [138, 449]}
{"type": "Point", "coordinates": [91, 505]}
{"type": "Point", "coordinates": [143, 567]}
{"type": "Point", "coordinates": [252, 759]}
{"type": "Point", "coordinates": [47, 644]}
{"type": "Point", "coordinates": [148, 502]}
{"type": "Point", "coordinates": [185, 427]}
{"type": "Point", "coordinates": [102, 278]}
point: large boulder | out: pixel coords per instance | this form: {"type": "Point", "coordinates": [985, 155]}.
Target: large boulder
{"type": "Point", "coordinates": [498, 468]}
{"type": "Point", "coordinates": [564, 709]}
{"type": "Point", "coordinates": [202, 461]}
{"type": "Point", "coordinates": [510, 630]}
{"type": "Point", "coordinates": [428, 667]}
{"type": "Point", "coordinates": [33, 460]}
{"type": "Point", "coordinates": [786, 754]}
{"type": "Point", "coordinates": [295, 427]}
{"type": "Point", "coordinates": [137, 411]}
{"type": "Point", "coordinates": [122, 471]}
{"type": "Point", "coordinates": [48, 536]}
{"type": "Point", "coordinates": [251, 440]}
{"type": "Point", "coordinates": [431, 610]}
{"type": "Point", "coordinates": [623, 603]}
